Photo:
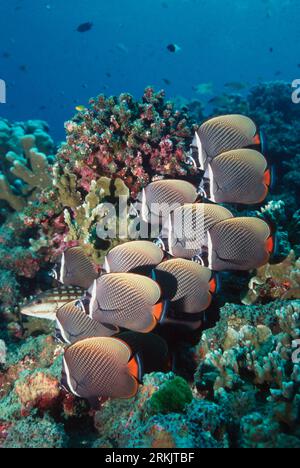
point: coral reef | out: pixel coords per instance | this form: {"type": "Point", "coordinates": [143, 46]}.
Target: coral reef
{"type": "Point", "coordinates": [129, 423]}
{"type": "Point", "coordinates": [26, 155]}
{"type": "Point", "coordinates": [26, 158]}
{"type": "Point", "coordinates": [119, 137]}
{"type": "Point", "coordinates": [114, 148]}
{"type": "Point", "coordinates": [278, 281]}
{"type": "Point", "coordinates": [241, 379]}
{"type": "Point", "coordinates": [173, 396]}
{"type": "Point", "coordinates": [251, 353]}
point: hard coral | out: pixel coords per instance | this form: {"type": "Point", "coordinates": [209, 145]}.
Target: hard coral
{"type": "Point", "coordinates": [26, 155]}
{"type": "Point", "coordinates": [129, 424]}
{"type": "Point", "coordinates": [278, 281]}
{"type": "Point", "coordinates": [113, 149]}
{"type": "Point", "coordinates": [33, 432]}
{"type": "Point", "coordinates": [252, 350]}
{"type": "Point", "coordinates": [119, 137]}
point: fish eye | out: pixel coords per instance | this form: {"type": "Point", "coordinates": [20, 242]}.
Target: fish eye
{"type": "Point", "coordinates": [39, 301]}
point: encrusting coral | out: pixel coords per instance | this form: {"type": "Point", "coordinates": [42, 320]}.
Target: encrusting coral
{"type": "Point", "coordinates": [278, 281]}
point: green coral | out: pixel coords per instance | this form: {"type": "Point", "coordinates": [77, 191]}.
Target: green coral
{"type": "Point", "coordinates": [172, 397]}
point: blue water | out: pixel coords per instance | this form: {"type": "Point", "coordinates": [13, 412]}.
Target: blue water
{"type": "Point", "coordinates": [51, 67]}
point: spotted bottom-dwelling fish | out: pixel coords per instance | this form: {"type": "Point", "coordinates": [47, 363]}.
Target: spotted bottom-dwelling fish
{"type": "Point", "coordinates": [46, 304]}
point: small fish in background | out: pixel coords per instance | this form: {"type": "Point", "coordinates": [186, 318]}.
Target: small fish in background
{"type": "Point", "coordinates": [85, 27]}
{"type": "Point", "coordinates": [47, 304]}
{"type": "Point", "coordinates": [173, 48]}
{"type": "Point", "coordinates": [236, 85]}
{"type": "Point", "coordinates": [278, 73]}
{"type": "Point", "coordinates": [23, 68]}
{"type": "Point", "coordinates": [6, 55]}
{"type": "Point", "coordinates": [204, 88]}
{"type": "Point", "coordinates": [167, 82]}
{"type": "Point", "coordinates": [271, 50]}
{"type": "Point", "coordinates": [122, 48]}
{"type": "Point", "coordinates": [81, 108]}
{"type": "Point", "coordinates": [114, 367]}
{"type": "Point", "coordinates": [219, 101]}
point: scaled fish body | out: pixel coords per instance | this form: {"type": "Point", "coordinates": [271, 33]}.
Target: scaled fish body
{"type": "Point", "coordinates": [239, 244]}
{"type": "Point", "coordinates": [185, 235]}
{"type": "Point", "coordinates": [75, 269]}
{"type": "Point", "coordinates": [127, 300]}
{"type": "Point", "coordinates": [112, 367]}
{"type": "Point", "coordinates": [188, 285]}
{"type": "Point", "coordinates": [133, 256]}
{"type": "Point", "coordinates": [73, 324]}
{"type": "Point", "coordinates": [238, 176]}
{"type": "Point", "coordinates": [222, 134]}
{"type": "Point", "coordinates": [163, 196]}
{"type": "Point", "coordinates": [46, 305]}
{"type": "Point", "coordinates": [101, 367]}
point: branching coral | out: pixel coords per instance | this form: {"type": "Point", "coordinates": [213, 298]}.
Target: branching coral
{"type": "Point", "coordinates": [114, 148]}
{"type": "Point", "coordinates": [254, 352]}
{"type": "Point", "coordinates": [89, 213]}
{"type": "Point", "coordinates": [25, 161]}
